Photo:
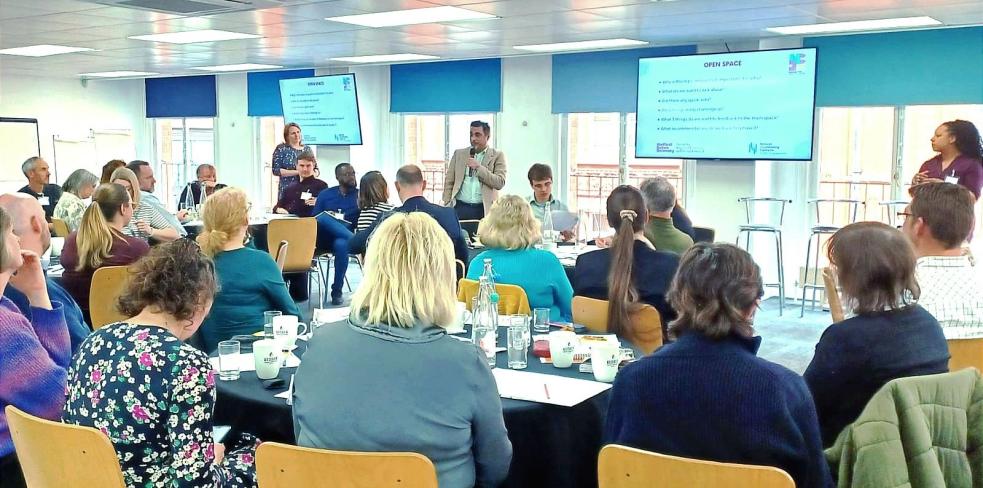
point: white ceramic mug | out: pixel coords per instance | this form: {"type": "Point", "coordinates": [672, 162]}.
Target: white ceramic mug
{"type": "Point", "coordinates": [267, 356]}
{"type": "Point", "coordinates": [461, 316]}
{"type": "Point", "coordinates": [286, 329]}
{"type": "Point", "coordinates": [562, 345]}
{"type": "Point", "coordinates": [604, 359]}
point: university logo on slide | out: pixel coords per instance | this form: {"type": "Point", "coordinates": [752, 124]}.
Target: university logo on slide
{"type": "Point", "coordinates": [752, 147]}
{"type": "Point", "coordinates": [794, 60]}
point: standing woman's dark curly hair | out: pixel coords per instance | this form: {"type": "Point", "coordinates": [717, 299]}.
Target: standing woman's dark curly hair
{"type": "Point", "coordinates": [175, 279]}
{"type": "Point", "coordinates": [967, 136]}
{"type": "Point", "coordinates": [714, 291]}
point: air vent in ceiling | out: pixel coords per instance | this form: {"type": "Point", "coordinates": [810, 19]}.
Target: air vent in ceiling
{"type": "Point", "coordinates": [193, 7]}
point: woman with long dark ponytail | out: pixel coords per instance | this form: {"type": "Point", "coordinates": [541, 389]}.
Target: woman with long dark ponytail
{"type": "Point", "coordinates": [630, 273]}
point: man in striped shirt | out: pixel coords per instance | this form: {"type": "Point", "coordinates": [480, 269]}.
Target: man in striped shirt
{"type": "Point", "coordinates": [937, 222]}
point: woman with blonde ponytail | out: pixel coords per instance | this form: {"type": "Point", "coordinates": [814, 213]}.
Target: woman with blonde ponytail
{"type": "Point", "coordinates": [250, 282]}
{"type": "Point", "coordinates": [100, 241]}
{"type": "Point", "coordinates": [630, 273]}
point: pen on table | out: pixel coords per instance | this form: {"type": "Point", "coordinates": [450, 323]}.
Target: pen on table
{"type": "Point", "coordinates": [547, 390]}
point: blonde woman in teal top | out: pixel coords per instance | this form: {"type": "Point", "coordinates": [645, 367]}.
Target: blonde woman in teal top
{"type": "Point", "coordinates": [250, 281]}
{"type": "Point", "coordinates": [509, 232]}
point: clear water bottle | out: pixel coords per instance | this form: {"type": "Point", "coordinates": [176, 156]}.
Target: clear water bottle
{"type": "Point", "coordinates": [485, 320]}
{"type": "Point", "coordinates": [489, 273]}
{"type": "Point", "coordinates": [548, 231]}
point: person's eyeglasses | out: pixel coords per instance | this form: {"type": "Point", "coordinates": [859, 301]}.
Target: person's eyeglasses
{"type": "Point", "coordinates": [903, 217]}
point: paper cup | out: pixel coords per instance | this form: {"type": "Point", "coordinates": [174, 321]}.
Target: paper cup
{"type": "Point", "coordinates": [562, 345]}
{"type": "Point", "coordinates": [267, 357]}
{"type": "Point", "coordinates": [604, 360]}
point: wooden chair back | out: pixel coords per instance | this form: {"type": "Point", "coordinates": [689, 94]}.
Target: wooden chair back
{"type": "Point", "coordinates": [107, 285]}
{"type": "Point", "coordinates": [59, 228]}
{"type": "Point", "coordinates": [301, 236]}
{"type": "Point", "coordinates": [626, 467]}
{"type": "Point", "coordinates": [966, 353]}
{"type": "Point", "coordinates": [281, 254]}
{"type": "Point", "coordinates": [284, 466]}
{"type": "Point", "coordinates": [512, 299]}
{"type": "Point", "coordinates": [646, 323]}
{"type": "Point", "coordinates": [55, 455]}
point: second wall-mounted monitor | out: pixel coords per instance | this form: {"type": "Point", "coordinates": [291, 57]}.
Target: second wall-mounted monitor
{"type": "Point", "coordinates": [325, 107]}
{"type": "Point", "coordinates": [741, 105]}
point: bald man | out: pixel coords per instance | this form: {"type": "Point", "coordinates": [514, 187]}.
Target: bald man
{"type": "Point", "coordinates": [27, 217]}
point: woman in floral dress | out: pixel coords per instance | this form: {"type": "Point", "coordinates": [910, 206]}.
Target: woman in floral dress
{"type": "Point", "coordinates": [285, 157]}
{"type": "Point", "coordinates": [151, 393]}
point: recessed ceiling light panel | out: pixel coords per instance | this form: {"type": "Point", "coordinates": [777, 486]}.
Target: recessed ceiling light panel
{"type": "Point", "coordinates": [581, 45]}
{"type": "Point", "coordinates": [384, 58]}
{"type": "Point", "coordinates": [238, 67]}
{"type": "Point", "coordinates": [855, 26]}
{"type": "Point", "coordinates": [190, 37]}
{"type": "Point", "coordinates": [412, 16]}
{"type": "Point", "coordinates": [43, 50]}
{"type": "Point", "coordinates": [117, 74]}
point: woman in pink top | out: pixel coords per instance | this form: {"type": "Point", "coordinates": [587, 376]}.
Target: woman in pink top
{"type": "Point", "coordinates": [960, 158]}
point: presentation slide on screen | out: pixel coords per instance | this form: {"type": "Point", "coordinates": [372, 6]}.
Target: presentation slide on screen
{"type": "Point", "coordinates": [325, 107]}
{"type": "Point", "coordinates": [748, 105]}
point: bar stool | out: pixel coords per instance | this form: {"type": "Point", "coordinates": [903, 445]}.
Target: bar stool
{"type": "Point", "coordinates": [892, 207]}
{"type": "Point", "coordinates": [816, 232]}
{"type": "Point", "coordinates": [774, 230]}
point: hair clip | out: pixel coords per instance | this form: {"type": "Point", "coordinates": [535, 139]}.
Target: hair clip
{"type": "Point", "coordinates": [628, 214]}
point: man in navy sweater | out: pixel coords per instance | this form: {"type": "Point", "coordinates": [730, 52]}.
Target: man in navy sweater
{"type": "Point", "coordinates": [333, 234]}
{"type": "Point", "coordinates": [410, 186]}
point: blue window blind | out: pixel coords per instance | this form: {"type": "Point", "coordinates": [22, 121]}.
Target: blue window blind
{"type": "Point", "coordinates": [185, 96]}
{"type": "Point", "coordinates": [263, 90]}
{"type": "Point", "coordinates": [939, 66]}
{"type": "Point", "coordinates": [605, 81]}
{"type": "Point", "coordinates": [451, 86]}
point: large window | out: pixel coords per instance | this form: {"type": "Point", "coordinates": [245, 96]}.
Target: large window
{"type": "Point", "coordinates": [600, 155]}
{"type": "Point", "coordinates": [181, 145]}
{"type": "Point", "coordinates": [430, 140]}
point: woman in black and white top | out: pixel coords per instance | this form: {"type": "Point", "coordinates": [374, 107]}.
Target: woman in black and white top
{"type": "Point", "coordinates": [373, 199]}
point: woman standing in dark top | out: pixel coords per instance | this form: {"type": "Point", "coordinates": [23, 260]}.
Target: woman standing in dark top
{"type": "Point", "coordinates": [960, 158]}
{"type": "Point", "coordinates": [890, 336]}
{"type": "Point", "coordinates": [631, 272]}
{"type": "Point", "coordinates": [285, 157]}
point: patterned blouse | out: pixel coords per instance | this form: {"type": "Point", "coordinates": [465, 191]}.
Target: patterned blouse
{"type": "Point", "coordinates": [285, 157]}
{"type": "Point", "coordinates": [147, 212]}
{"type": "Point", "coordinates": [70, 209]}
{"type": "Point", "coordinates": [153, 396]}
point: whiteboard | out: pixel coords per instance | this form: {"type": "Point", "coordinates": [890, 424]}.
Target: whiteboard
{"type": "Point", "coordinates": [19, 140]}
{"type": "Point", "coordinates": [91, 152]}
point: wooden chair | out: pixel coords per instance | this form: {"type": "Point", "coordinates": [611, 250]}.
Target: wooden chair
{"type": "Point", "coordinates": [281, 254]}
{"type": "Point", "coordinates": [301, 237]}
{"type": "Point", "coordinates": [646, 323]}
{"type": "Point", "coordinates": [966, 353]}
{"type": "Point", "coordinates": [59, 228]}
{"type": "Point", "coordinates": [462, 269]}
{"type": "Point", "coordinates": [512, 299]}
{"type": "Point", "coordinates": [626, 467]}
{"type": "Point", "coordinates": [55, 455]}
{"type": "Point", "coordinates": [107, 285]}
{"type": "Point", "coordinates": [284, 466]}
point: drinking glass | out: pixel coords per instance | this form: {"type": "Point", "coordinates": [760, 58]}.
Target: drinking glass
{"type": "Point", "coordinates": [517, 347]}
{"type": "Point", "coordinates": [522, 321]}
{"type": "Point", "coordinates": [228, 360]}
{"type": "Point", "coordinates": [541, 320]}
{"type": "Point", "coordinates": [268, 322]}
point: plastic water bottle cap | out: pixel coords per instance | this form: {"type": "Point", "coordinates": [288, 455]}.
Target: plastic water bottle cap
{"type": "Point", "coordinates": [494, 297]}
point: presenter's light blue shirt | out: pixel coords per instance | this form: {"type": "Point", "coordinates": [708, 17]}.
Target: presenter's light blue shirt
{"type": "Point", "coordinates": [471, 186]}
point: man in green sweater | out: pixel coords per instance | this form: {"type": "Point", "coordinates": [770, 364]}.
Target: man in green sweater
{"type": "Point", "coordinates": [660, 198]}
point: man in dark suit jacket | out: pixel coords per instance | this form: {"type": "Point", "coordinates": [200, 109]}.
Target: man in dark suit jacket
{"type": "Point", "coordinates": [206, 180]}
{"type": "Point", "coordinates": [410, 186]}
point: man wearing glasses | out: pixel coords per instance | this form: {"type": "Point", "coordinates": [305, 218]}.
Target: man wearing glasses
{"type": "Point", "coordinates": [474, 175]}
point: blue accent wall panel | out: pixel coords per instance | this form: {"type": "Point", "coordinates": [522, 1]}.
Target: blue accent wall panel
{"type": "Point", "coordinates": [604, 81]}
{"type": "Point", "coordinates": [938, 66]}
{"type": "Point", "coordinates": [183, 96]}
{"type": "Point", "coordinates": [450, 86]}
{"type": "Point", "coordinates": [263, 87]}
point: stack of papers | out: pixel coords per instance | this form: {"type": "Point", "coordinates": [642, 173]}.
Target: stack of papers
{"type": "Point", "coordinates": [545, 388]}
